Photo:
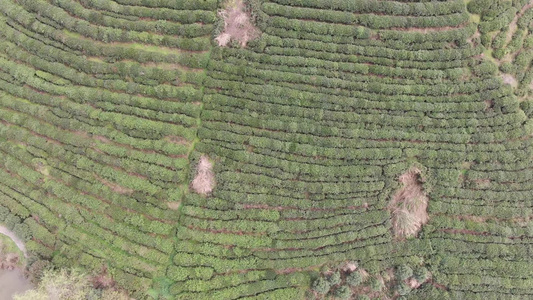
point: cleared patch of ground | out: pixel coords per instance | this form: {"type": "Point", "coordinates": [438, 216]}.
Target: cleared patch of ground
{"type": "Point", "coordinates": [204, 181]}
{"type": "Point", "coordinates": [509, 79]}
{"type": "Point", "coordinates": [237, 25]}
{"type": "Point", "coordinates": [409, 205]}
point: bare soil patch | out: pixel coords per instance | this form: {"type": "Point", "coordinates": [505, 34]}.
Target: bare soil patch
{"type": "Point", "coordinates": [204, 181]}
{"type": "Point", "coordinates": [509, 79]}
{"type": "Point", "coordinates": [237, 25]}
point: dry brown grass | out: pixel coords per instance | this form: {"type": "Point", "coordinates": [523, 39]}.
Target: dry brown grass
{"type": "Point", "coordinates": [409, 205]}
{"type": "Point", "coordinates": [237, 25]}
{"type": "Point", "coordinates": [173, 205]}
{"type": "Point", "coordinates": [204, 181]}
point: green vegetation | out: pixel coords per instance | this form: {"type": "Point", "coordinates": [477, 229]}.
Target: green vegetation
{"type": "Point", "coordinates": [110, 111]}
{"type": "Point", "coordinates": [7, 249]}
{"type": "Point", "coordinates": [68, 285]}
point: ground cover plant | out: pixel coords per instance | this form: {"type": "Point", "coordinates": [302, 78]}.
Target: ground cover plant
{"type": "Point", "coordinates": [272, 149]}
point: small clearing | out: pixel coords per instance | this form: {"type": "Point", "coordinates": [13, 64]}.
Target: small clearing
{"type": "Point", "coordinates": [509, 79]}
{"type": "Point", "coordinates": [409, 205]}
{"type": "Point", "coordinates": [204, 181]}
{"type": "Point", "coordinates": [237, 25]}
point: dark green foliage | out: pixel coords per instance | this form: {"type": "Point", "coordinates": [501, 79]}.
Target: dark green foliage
{"type": "Point", "coordinates": [421, 274]}
{"type": "Point", "coordinates": [354, 278]}
{"type": "Point", "coordinates": [485, 69]}
{"type": "Point", "coordinates": [343, 292]}
{"type": "Point", "coordinates": [478, 6]}
{"type": "Point", "coordinates": [334, 278]}
{"type": "Point", "coordinates": [376, 284]}
{"type": "Point", "coordinates": [403, 272]}
{"type": "Point", "coordinates": [321, 285]}
{"type": "Point", "coordinates": [506, 68]}
{"type": "Point", "coordinates": [403, 289]}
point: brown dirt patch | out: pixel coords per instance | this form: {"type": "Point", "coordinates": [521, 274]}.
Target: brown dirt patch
{"type": "Point", "coordinates": [204, 181]}
{"type": "Point", "coordinates": [509, 79]}
{"type": "Point", "coordinates": [349, 267]}
{"type": "Point", "coordinates": [489, 104]}
{"type": "Point", "coordinates": [413, 283]}
{"type": "Point", "coordinates": [103, 279]}
{"type": "Point", "coordinates": [237, 25]}
{"type": "Point", "coordinates": [409, 205]}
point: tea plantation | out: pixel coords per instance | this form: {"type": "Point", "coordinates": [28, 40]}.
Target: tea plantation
{"type": "Point", "coordinates": [361, 149]}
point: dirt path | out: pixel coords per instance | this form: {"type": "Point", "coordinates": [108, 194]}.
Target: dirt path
{"type": "Point", "coordinates": [512, 26]}
{"type": "Point", "coordinates": [12, 236]}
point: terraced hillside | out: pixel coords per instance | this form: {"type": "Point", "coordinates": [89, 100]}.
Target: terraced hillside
{"type": "Point", "coordinates": [375, 149]}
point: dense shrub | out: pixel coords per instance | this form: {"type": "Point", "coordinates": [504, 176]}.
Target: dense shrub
{"type": "Point", "coordinates": [354, 278]}
{"type": "Point", "coordinates": [343, 292]}
{"type": "Point", "coordinates": [421, 274]}
{"type": "Point", "coordinates": [321, 285]}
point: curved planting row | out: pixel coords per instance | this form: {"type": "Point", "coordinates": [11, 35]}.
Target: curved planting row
{"type": "Point", "coordinates": [310, 128]}
{"type": "Point", "coordinates": [99, 111]}
{"type": "Point", "coordinates": [364, 149]}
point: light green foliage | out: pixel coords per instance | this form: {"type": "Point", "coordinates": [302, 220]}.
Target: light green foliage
{"type": "Point", "coordinates": [67, 285]}
{"type": "Point", "coordinates": [104, 104]}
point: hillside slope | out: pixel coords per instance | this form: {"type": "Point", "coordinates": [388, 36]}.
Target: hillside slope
{"type": "Point", "coordinates": [369, 137]}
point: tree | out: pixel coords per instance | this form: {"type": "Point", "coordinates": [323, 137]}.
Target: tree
{"type": "Point", "coordinates": [321, 286]}
{"type": "Point", "coordinates": [403, 272]}
{"type": "Point", "coordinates": [343, 292]}
{"type": "Point", "coordinates": [334, 278]}
{"type": "Point", "coordinates": [403, 289]}
{"type": "Point", "coordinates": [68, 285]}
{"type": "Point", "coordinates": [376, 284]}
{"type": "Point", "coordinates": [354, 279]}
{"type": "Point", "coordinates": [421, 274]}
